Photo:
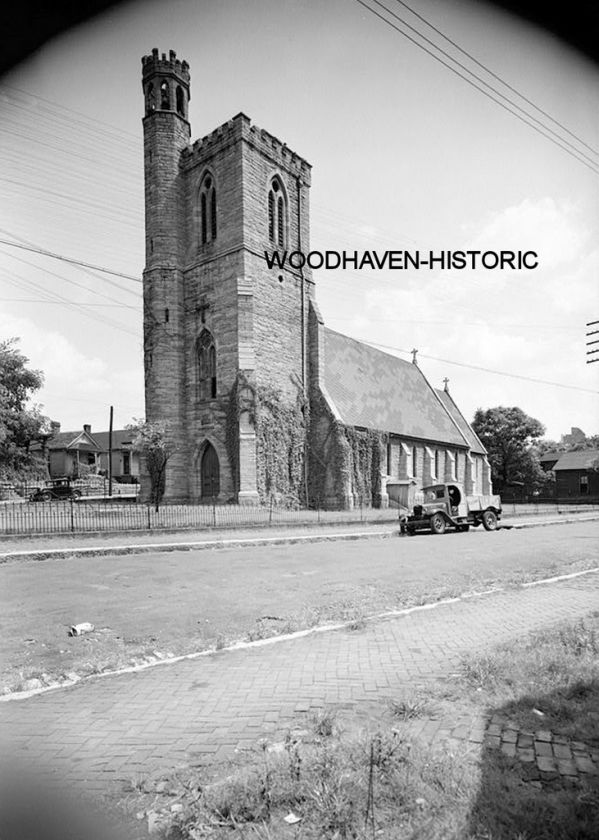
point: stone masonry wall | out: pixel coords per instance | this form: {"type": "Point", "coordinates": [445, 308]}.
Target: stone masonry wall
{"type": "Point", "coordinates": [165, 134]}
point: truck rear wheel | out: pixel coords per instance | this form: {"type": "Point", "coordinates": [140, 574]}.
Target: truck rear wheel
{"type": "Point", "coordinates": [438, 523]}
{"type": "Point", "coordinates": [490, 520]}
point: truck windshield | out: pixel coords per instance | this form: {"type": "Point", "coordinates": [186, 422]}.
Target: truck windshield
{"type": "Point", "coordinates": [434, 493]}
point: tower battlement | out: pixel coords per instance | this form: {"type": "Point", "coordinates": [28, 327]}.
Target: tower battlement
{"type": "Point", "coordinates": [155, 64]}
{"type": "Point", "coordinates": [240, 127]}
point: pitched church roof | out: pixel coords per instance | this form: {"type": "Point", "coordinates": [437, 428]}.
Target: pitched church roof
{"type": "Point", "coordinates": [463, 425]}
{"type": "Point", "coordinates": [372, 389]}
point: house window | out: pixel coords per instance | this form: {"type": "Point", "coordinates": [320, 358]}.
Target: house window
{"type": "Point", "coordinates": [206, 366]}
{"type": "Point", "coordinates": [126, 463]}
{"type": "Point", "coordinates": [584, 485]}
{"type": "Point", "coordinates": [277, 224]}
{"type": "Point", "coordinates": [207, 210]}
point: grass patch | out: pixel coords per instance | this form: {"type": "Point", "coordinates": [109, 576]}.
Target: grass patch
{"type": "Point", "coordinates": [554, 672]}
{"type": "Point", "coordinates": [375, 785]}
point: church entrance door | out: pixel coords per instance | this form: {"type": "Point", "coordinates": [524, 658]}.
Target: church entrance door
{"type": "Point", "coordinates": [210, 473]}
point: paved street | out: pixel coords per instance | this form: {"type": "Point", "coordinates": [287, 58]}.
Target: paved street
{"type": "Point", "coordinates": [108, 730]}
{"type": "Point", "coordinates": [184, 601]}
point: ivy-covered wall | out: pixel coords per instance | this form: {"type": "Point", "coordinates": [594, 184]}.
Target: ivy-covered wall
{"type": "Point", "coordinates": [344, 463]}
{"type": "Point", "coordinates": [367, 455]}
{"type": "Point", "coordinates": [281, 433]}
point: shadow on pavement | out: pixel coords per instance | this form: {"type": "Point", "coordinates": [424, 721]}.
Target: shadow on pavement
{"type": "Point", "coordinates": [540, 774]}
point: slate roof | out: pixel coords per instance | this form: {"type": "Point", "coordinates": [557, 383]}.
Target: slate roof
{"type": "Point", "coordinates": [375, 390]}
{"type": "Point", "coordinates": [582, 460]}
{"type": "Point", "coordinates": [464, 426]}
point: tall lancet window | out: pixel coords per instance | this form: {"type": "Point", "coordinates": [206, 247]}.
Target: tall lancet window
{"type": "Point", "coordinates": [277, 214]}
{"type": "Point", "coordinates": [206, 366]}
{"type": "Point", "coordinates": [207, 210]}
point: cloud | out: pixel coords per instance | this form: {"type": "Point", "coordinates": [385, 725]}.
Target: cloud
{"type": "Point", "coordinates": [556, 232]}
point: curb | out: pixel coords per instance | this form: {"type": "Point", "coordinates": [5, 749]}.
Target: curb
{"type": "Point", "coordinates": [243, 542]}
{"type": "Point", "coordinates": [200, 545]}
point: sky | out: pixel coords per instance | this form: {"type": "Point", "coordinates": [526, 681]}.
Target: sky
{"type": "Point", "coordinates": [406, 155]}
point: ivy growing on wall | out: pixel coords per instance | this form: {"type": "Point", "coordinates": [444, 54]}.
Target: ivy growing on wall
{"type": "Point", "coordinates": [280, 424]}
{"type": "Point", "coordinates": [368, 450]}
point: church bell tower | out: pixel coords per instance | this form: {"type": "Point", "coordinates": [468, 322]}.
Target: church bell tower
{"type": "Point", "coordinates": [165, 83]}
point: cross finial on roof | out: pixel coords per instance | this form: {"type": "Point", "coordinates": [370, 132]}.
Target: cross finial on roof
{"type": "Point", "coordinates": [414, 352]}
{"type": "Point", "coordinates": [446, 383]}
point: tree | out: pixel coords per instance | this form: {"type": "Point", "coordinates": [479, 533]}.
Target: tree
{"type": "Point", "coordinates": [21, 424]}
{"type": "Point", "coordinates": [508, 435]}
{"type": "Point", "coordinates": [152, 440]}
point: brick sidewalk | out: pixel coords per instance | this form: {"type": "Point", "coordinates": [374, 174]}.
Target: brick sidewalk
{"type": "Point", "coordinates": [109, 730]}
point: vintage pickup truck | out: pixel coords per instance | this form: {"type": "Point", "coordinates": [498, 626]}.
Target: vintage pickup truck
{"type": "Point", "coordinates": [447, 505]}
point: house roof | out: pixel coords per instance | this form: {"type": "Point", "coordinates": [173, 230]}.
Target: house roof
{"type": "Point", "coordinates": [74, 440]}
{"type": "Point", "coordinates": [550, 456]}
{"type": "Point", "coordinates": [375, 390]}
{"type": "Point", "coordinates": [463, 425]}
{"type": "Point", "coordinates": [581, 460]}
{"type": "Point", "coordinates": [121, 438]}
{"type": "Point", "coordinates": [97, 442]}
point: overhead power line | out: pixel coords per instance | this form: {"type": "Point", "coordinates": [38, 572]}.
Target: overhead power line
{"type": "Point", "coordinates": [577, 154]}
{"type": "Point", "coordinates": [71, 260]}
{"type": "Point", "coordinates": [495, 76]}
{"type": "Point", "coordinates": [484, 369]}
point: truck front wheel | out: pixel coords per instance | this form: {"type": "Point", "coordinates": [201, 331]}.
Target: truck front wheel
{"type": "Point", "coordinates": [438, 523]}
{"type": "Point", "coordinates": [490, 520]}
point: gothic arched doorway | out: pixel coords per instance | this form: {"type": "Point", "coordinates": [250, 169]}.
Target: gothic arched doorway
{"type": "Point", "coordinates": [209, 473]}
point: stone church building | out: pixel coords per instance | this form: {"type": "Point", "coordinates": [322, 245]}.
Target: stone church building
{"type": "Point", "coordinates": [261, 399]}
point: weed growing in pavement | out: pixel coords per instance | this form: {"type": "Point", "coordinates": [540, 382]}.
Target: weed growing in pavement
{"type": "Point", "coordinates": [324, 723]}
{"type": "Point", "coordinates": [481, 671]}
{"type": "Point", "coordinates": [409, 707]}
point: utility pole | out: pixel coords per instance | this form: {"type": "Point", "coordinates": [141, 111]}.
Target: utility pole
{"type": "Point", "coordinates": [589, 343]}
{"type": "Point", "coordinates": [110, 452]}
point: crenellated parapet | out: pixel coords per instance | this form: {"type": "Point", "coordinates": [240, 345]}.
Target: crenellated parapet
{"type": "Point", "coordinates": [165, 83]}
{"type": "Point", "coordinates": [240, 128]}
{"type": "Point", "coordinates": [155, 64]}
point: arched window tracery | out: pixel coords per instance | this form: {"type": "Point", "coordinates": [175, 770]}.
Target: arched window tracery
{"type": "Point", "coordinates": [165, 96]}
{"type": "Point", "coordinates": [277, 213]}
{"type": "Point", "coordinates": [208, 211]}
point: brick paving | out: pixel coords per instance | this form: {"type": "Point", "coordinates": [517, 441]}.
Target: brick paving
{"type": "Point", "coordinates": [107, 731]}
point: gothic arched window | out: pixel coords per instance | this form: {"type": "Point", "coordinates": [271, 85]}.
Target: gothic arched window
{"type": "Point", "coordinates": [180, 101]}
{"type": "Point", "coordinates": [207, 210]}
{"type": "Point", "coordinates": [165, 97]}
{"type": "Point", "coordinates": [206, 366]}
{"type": "Point", "coordinates": [277, 215]}
{"type": "Point", "coordinates": [151, 99]}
